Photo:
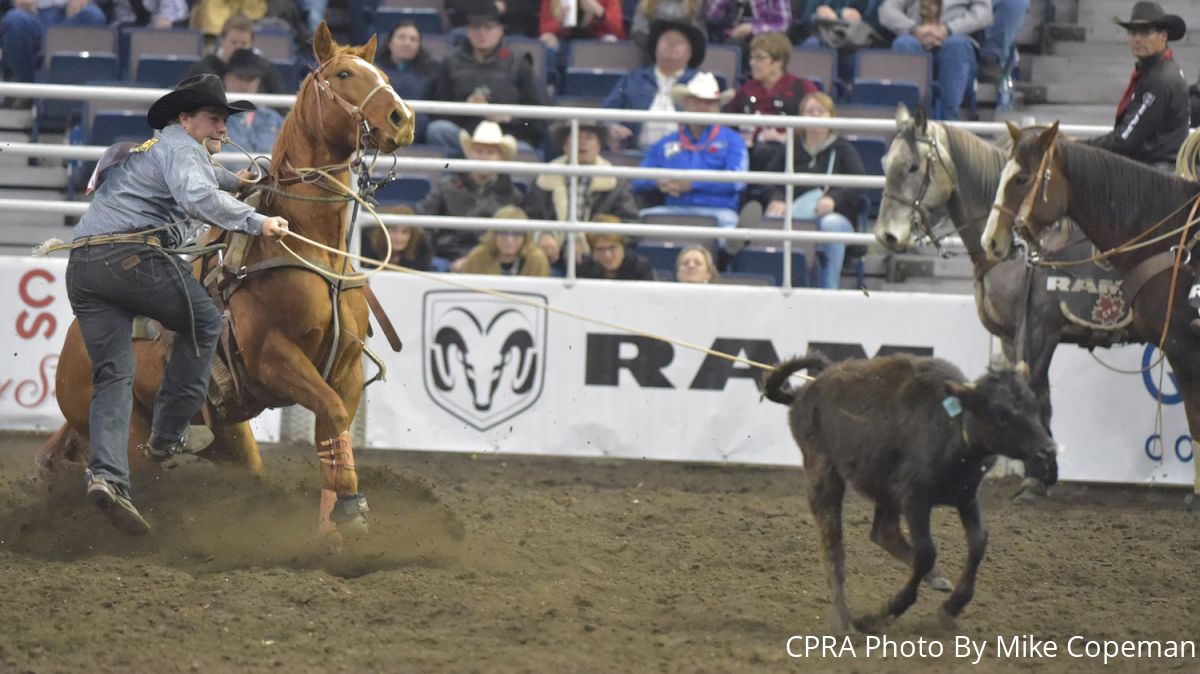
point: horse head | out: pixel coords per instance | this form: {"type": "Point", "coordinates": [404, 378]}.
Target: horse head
{"type": "Point", "coordinates": [1032, 197]}
{"type": "Point", "coordinates": [355, 106]}
{"type": "Point", "coordinates": [919, 179]}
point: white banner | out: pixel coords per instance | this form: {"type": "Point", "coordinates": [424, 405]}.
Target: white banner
{"type": "Point", "coordinates": [582, 389]}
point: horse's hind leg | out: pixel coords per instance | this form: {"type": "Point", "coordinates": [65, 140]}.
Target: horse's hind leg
{"type": "Point", "coordinates": [885, 532]}
{"type": "Point", "coordinates": [235, 443]}
{"type": "Point", "coordinates": [825, 492]}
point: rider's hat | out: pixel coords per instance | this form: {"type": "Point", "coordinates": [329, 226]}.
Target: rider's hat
{"type": "Point", "coordinates": [191, 94]}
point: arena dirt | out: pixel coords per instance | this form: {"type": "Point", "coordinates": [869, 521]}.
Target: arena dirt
{"type": "Point", "coordinates": [514, 564]}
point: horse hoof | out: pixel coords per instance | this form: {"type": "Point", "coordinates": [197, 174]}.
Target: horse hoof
{"type": "Point", "coordinates": [939, 583]}
{"type": "Point", "coordinates": [1031, 491]}
{"type": "Point", "coordinates": [350, 515]}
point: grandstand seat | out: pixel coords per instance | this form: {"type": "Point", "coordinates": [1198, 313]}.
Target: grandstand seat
{"type": "Point", "coordinates": [885, 93]}
{"type": "Point", "coordinates": [816, 64]}
{"type": "Point", "coordinates": [885, 64]}
{"type": "Point", "coordinates": [724, 61]}
{"type": "Point", "coordinates": [114, 126]}
{"type": "Point", "coordinates": [274, 45]}
{"type": "Point", "coordinates": [428, 21]}
{"type": "Point", "coordinates": [403, 190]}
{"type": "Point", "coordinates": [135, 42]}
{"type": "Point", "coordinates": [768, 260]}
{"type": "Point", "coordinates": [622, 55]}
{"type": "Point", "coordinates": [871, 150]}
{"type": "Point", "coordinates": [98, 39]}
{"type": "Point", "coordinates": [73, 68]}
{"type": "Point", "coordinates": [593, 82]}
{"type": "Point", "coordinates": [292, 73]}
{"type": "Point", "coordinates": [163, 70]}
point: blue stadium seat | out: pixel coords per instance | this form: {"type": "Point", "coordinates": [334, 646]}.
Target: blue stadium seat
{"type": "Point", "coordinates": [769, 261]}
{"type": "Point", "coordinates": [590, 81]}
{"type": "Point", "coordinates": [817, 65]}
{"type": "Point", "coordinates": [132, 43]}
{"type": "Point", "coordinates": [886, 93]}
{"type": "Point", "coordinates": [427, 21]}
{"type": "Point", "coordinates": [292, 72]}
{"type": "Point", "coordinates": [661, 254]}
{"type": "Point", "coordinates": [74, 68]}
{"type": "Point", "coordinates": [114, 126]}
{"type": "Point", "coordinates": [871, 150]}
{"type": "Point", "coordinates": [164, 70]}
{"type": "Point", "coordinates": [403, 190]}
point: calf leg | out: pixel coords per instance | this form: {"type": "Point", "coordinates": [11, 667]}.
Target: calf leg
{"type": "Point", "coordinates": [825, 491]}
{"type": "Point", "coordinates": [885, 532]}
{"type": "Point", "coordinates": [924, 558]}
{"type": "Point", "coordinates": [972, 521]}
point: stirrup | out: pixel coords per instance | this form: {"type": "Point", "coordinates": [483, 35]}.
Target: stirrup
{"type": "Point", "coordinates": [195, 439]}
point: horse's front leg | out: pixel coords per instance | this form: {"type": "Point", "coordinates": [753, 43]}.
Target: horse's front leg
{"type": "Point", "coordinates": [288, 373]}
{"type": "Point", "coordinates": [1043, 340]}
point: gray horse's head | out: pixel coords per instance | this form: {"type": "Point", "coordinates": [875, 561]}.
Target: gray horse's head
{"type": "Point", "coordinates": [919, 180]}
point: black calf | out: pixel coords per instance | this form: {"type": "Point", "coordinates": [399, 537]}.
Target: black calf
{"type": "Point", "coordinates": [909, 433]}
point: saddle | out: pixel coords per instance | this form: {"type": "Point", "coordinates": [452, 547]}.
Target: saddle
{"type": "Point", "coordinates": [1090, 295]}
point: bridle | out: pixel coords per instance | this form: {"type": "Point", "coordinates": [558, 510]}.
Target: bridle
{"type": "Point", "coordinates": [1024, 235]}
{"type": "Point", "coordinates": [355, 111]}
{"type": "Point", "coordinates": [920, 218]}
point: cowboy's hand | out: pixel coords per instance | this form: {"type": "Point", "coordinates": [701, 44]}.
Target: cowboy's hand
{"type": "Point", "coordinates": [940, 32]}
{"type": "Point", "coordinates": [775, 209]}
{"type": "Point", "coordinates": [247, 175]}
{"type": "Point", "coordinates": [824, 206]}
{"type": "Point", "coordinates": [275, 228]}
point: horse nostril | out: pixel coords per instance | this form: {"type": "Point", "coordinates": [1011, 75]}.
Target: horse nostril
{"type": "Point", "coordinates": [396, 119]}
{"type": "Point", "coordinates": [889, 238]}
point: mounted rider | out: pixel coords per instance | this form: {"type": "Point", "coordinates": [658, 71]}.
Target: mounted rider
{"type": "Point", "coordinates": [122, 265]}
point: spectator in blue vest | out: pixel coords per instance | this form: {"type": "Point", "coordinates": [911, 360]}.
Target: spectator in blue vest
{"type": "Point", "coordinates": [677, 49]}
{"type": "Point", "coordinates": [23, 32]}
{"type": "Point", "coordinates": [712, 147]}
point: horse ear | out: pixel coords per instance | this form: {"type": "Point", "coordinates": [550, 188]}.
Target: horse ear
{"type": "Point", "coordinates": [1014, 132]}
{"type": "Point", "coordinates": [902, 114]}
{"type": "Point", "coordinates": [920, 119]}
{"type": "Point", "coordinates": [368, 50]}
{"type": "Point", "coordinates": [323, 43]}
{"type": "Point", "coordinates": [1047, 138]}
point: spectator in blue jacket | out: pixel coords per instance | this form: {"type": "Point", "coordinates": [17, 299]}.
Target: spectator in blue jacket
{"type": "Point", "coordinates": [677, 49]}
{"type": "Point", "coordinates": [410, 69]}
{"type": "Point", "coordinates": [710, 147]}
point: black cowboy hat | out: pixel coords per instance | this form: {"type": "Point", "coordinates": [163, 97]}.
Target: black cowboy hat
{"type": "Point", "coordinates": [245, 63]}
{"type": "Point", "coordinates": [1151, 14]}
{"type": "Point", "coordinates": [481, 10]}
{"type": "Point", "coordinates": [693, 34]}
{"type": "Point", "coordinates": [561, 131]}
{"type": "Point", "coordinates": [191, 94]}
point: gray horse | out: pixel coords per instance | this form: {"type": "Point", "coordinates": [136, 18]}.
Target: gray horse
{"type": "Point", "coordinates": [933, 170]}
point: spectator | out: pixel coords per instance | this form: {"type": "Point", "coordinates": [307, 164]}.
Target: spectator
{"type": "Point", "coordinates": [835, 209]}
{"type": "Point", "coordinates": [209, 16]}
{"type": "Point", "coordinates": [254, 131]}
{"type": "Point", "coordinates": [548, 197]}
{"type": "Point", "coordinates": [611, 260]}
{"type": "Point", "coordinates": [411, 248]}
{"type": "Point", "coordinates": [677, 50]}
{"type": "Point", "coordinates": [23, 30]}
{"type": "Point", "coordinates": [507, 253]}
{"type": "Point", "coordinates": [738, 21]}
{"type": "Point", "coordinates": [552, 245]}
{"type": "Point", "coordinates": [844, 25]}
{"type": "Point", "coordinates": [944, 29]}
{"type": "Point", "coordinates": [997, 52]}
{"type": "Point", "coordinates": [593, 19]}
{"type": "Point", "coordinates": [474, 195]}
{"type": "Point", "coordinates": [238, 33]}
{"type": "Point", "coordinates": [697, 146]}
{"type": "Point", "coordinates": [1152, 116]}
{"type": "Point", "coordinates": [150, 13]}
{"type": "Point", "coordinates": [771, 90]}
{"type": "Point", "coordinates": [481, 71]}
{"type": "Point", "coordinates": [695, 265]}
{"type": "Point", "coordinates": [648, 12]}
{"type": "Point", "coordinates": [519, 17]}
{"type": "Point", "coordinates": [409, 68]}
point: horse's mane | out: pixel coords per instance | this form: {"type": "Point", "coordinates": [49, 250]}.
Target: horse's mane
{"type": "Point", "coordinates": [978, 165]}
{"type": "Point", "coordinates": [1109, 188]}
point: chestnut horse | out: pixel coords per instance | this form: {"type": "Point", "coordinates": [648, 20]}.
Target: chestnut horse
{"type": "Point", "coordinates": [1115, 202]}
{"type": "Point", "coordinates": [284, 320]}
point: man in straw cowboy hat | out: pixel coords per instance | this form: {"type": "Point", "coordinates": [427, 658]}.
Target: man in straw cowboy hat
{"type": "Point", "coordinates": [121, 267]}
{"type": "Point", "coordinates": [1152, 115]}
{"type": "Point", "coordinates": [478, 194]}
{"type": "Point", "coordinates": [712, 147]}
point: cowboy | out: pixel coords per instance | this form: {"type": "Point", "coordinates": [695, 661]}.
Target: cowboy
{"type": "Point", "coordinates": [697, 146]}
{"type": "Point", "coordinates": [1152, 116]}
{"type": "Point", "coordinates": [121, 266]}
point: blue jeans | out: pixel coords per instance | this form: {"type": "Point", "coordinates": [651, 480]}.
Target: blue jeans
{"type": "Point", "coordinates": [831, 255]}
{"type": "Point", "coordinates": [108, 285]}
{"type": "Point", "coordinates": [998, 39]}
{"type": "Point", "coordinates": [954, 66]}
{"type": "Point", "coordinates": [22, 34]}
{"type": "Point", "coordinates": [727, 218]}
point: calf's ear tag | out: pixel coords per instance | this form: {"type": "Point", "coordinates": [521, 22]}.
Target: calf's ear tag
{"type": "Point", "coordinates": [952, 405]}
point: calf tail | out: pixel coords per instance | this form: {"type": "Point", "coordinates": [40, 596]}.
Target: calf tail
{"type": "Point", "coordinates": [774, 383]}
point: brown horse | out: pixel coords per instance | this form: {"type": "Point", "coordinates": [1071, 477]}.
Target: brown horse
{"type": "Point", "coordinates": [283, 318]}
{"type": "Point", "coordinates": [1115, 202]}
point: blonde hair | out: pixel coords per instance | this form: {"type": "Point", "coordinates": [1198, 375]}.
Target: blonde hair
{"type": "Point", "coordinates": [510, 212]}
{"type": "Point", "coordinates": [776, 45]}
{"type": "Point", "coordinates": [708, 261]}
{"type": "Point", "coordinates": [822, 99]}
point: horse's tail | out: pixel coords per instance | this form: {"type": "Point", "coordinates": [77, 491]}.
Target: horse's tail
{"type": "Point", "coordinates": [774, 383]}
{"type": "Point", "coordinates": [65, 445]}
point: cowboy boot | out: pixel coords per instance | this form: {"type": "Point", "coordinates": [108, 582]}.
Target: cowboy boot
{"type": "Point", "coordinates": [173, 453]}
